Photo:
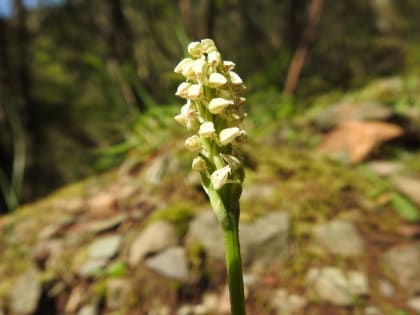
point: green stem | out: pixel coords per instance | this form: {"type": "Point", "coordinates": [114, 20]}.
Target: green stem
{"type": "Point", "coordinates": [234, 266]}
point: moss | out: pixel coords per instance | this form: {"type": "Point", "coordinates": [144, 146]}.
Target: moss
{"type": "Point", "coordinates": [179, 214]}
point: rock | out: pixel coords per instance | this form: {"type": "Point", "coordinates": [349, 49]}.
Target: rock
{"type": "Point", "coordinates": [266, 240]}
{"type": "Point", "coordinates": [263, 241]}
{"type": "Point", "coordinates": [286, 303]}
{"type": "Point", "coordinates": [206, 230]}
{"type": "Point", "coordinates": [154, 238]}
{"type": "Point", "coordinates": [171, 263]}
{"type": "Point", "coordinates": [88, 310]}
{"type": "Point", "coordinates": [403, 263]}
{"type": "Point", "coordinates": [210, 305]}
{"type": "Point", "coordinates": [334, 286]}
{"type": "Point", "coordinates": [347, 110]}
{"type": "Point", "coordinates": [340, 238]}
{"type": "Point", "coordinates": [92, 267]}
{"type": "Point", "coordinates": [385, 168]}
{"type": "Point", "coordinates": [107, 224]}
{"type": "Point", "coordinates": [414, 304]}
{"type": "Point", "coordinates": [105, 247]}
{"type": "Point", "coordinates": [25, 293]}
{"type": "Point", "coordinates": [386, 288]}
{"type": "Point", "coordinates": [186, 309]}
{"type": "Point", "coordinates": [77, 297]}
{"type": "Point", "coordinates": [161, 167]}
{"type": "Point", "coordinates": [408, 186]}
{"type": "Point", "coordinates": [372, 310]}
{"type": "Point", "coordinates": [117, 293]}
{"type": "Point", "coordinates": [159, 310]}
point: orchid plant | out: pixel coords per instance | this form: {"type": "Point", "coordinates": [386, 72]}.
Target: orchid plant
{"type": "Point", "coordinates": [213, 113]}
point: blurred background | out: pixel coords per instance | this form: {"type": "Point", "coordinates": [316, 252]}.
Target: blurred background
{"type": "Point", "coordinates": [79, 79]}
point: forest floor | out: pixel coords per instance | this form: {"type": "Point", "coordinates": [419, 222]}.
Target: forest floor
{"type": "Point", "coordinates": [329, 221]}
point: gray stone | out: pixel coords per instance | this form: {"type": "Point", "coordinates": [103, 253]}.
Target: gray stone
{"type": "Point", "coordinates": [385, 168]}
{"type": "Point", "coordinates": [105, 247]}
{"type": "Point", "coordinates": [92, 267]}
{"type": "Point", "coordinates": [160, 167]}
{"type": "Point", "coordinates": [89, 309]}
{"type": "Point", "coordinates": [348, 110]}
{"type": "Point", "coordinates": [171, 263]}
{"type": "Point", "coordinates": [107, 224]}
{"type": "Point", "coordinates": [25, 293]}
{"type": "Point", "coordinates": [372, 310]}
{"type": "Point", "coordinates": [263, 241]}
{"type": "Point", "coordinates": [340, 238]}
{"type": "Point", "coordinates": [386, 288]}
{"type": "Point", "coordinates": [286, 303]}
{"type": "Point", "coordinates": [414, 304]}
{"type": "Point", "coordinates": [337, 287]}
{"type": "Point", "coordinates": [154, 238]}
{"type": "Point", "coordinates": [403, 263]}
{"type": "Point", "coordinates": [408, 186]}
{"type": "Point", "coordinates": [266, 240]}
{"type": "Point", "coordinates": [206, 230]}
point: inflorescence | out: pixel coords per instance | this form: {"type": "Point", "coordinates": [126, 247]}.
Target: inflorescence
{"type": "Point", "coordinates": [213, 111]}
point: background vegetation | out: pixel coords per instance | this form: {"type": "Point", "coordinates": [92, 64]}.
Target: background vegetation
{"type": "Point", "coordinates": [84, 82]}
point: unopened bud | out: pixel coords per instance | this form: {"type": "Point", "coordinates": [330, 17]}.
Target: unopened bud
{"type": "Point", "coordinates": [227, 135]}
{"type": "Point", "coordinates": [193, 143]}
{"type": "Point", "coordinates": [195, 50]}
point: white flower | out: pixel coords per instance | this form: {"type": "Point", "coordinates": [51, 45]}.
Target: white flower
{"type": "Point", "coordinates": [207, 129]}
{"type": "Point", "coordinates": [182, 65]}
{"type": "Point", "coordinates": [187, 110]}
{"type": "Point", "coordinates": [227, 135]}
{"type": "Point", "coordinates": [214, 58]}
{"type": "Point", "coordinates": [232, 161]}
{"type": "Point", "coordinates": [208, 45]}
{"type": "Point", "coordinates": [193, 143]}
{"type": "Point", "coordinates": [219, 177]}
{"type": "Point", "coordinates": [199, 66]}
{"type": "Point", "coordinates": [198, 164]}
{"type": "Point", "coordinates": [182, 90]}
{"type": "Point", "coordinates": [228, 65]}
{"type": "Point", "coordinates": [235, 78]}
{"type": "Point", "coordinates": [218, 104]}
{"type": "Point", "coordinates": [195, 91]}
{"type": "Point", "coordinates": [195, 49]}
{"type": "Point", "coordinates": [217, 80]}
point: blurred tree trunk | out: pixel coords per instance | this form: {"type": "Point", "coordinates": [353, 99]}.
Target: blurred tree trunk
{"type": "Point", "coordinates": [299, 57]}
{"type": "Point", "coordinates": [122, 52]}
{"type": "Point", "coordinates": [207, 12]}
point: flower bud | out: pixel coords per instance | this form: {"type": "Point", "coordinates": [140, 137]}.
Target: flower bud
{"type": "Point", "coordinates": [193, 143]}
{"type": "Point", "coordinates": [195, 49]}
{"type": "Point", "coordinates": [218, 104]}
{"type": "Point", "coordinates": [227, 135]}
{"type": "Point", "coordinates": [217, 80]}
{"type": "Point", "coordinates": [208, 45]}
{"type": "Point", "coordinates": [235, 78]}
{"type": "Point", "coordinates": [198, 164]}
{"type": "Point", "coordinates": [182, 65]}
{"type": "Point", "coordinates": [194, 91]}
{"type": "Point", "coordinates": [214, 58]}
{"type": "Point", "coordinates": [207, 129]}
{"type": "Point", "coordinates": [219, 177]}
{"type": "Point", "coordinates": [182, 90]}
{"type": "Point", "coordinates": [228, 65]}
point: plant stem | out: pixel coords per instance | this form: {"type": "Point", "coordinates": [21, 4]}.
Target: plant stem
{"type": "Point", "coordinates": [234, 266]}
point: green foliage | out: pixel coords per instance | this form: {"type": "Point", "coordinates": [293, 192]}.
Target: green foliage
{"type": "Point", "coordinates": [405, 208]}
